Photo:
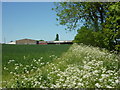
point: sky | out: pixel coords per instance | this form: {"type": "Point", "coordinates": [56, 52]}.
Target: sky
{"type": "Point", "coordinates": [0, 22]}
{"type": "Point", "coordinates": [32, 20]}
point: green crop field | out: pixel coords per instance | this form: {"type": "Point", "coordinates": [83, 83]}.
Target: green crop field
{"type": "Point", "coordinates": [25, 54]}
{"type": "Point", "coordinates": [59, 66]}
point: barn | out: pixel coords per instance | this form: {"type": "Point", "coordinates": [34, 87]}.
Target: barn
{"type": "Point", "coordinates": [26, 41]}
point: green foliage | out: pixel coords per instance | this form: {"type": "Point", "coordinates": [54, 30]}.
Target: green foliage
{"type": "Point", "coordinates": [89, 37]}
{"type": "Point", "coordinates": [41, 40]}
{"type": "Point", "coordinates": [71, 14]}
{"type": "Point", "coordinates": [117, 47]}
{"type": "Point", "coordinates": [111, 29]}
{"type": "Point", "coordinates": [84, 36]}
{"type": "Point", "coordinates": [101, 21]}
{"type": "Point", "coordinates": [107, 35]}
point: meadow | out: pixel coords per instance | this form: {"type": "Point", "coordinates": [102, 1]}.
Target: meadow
{"type": "Point", "coordinates": [25, 54]}
{"type": "Point", "coordinates": [59, 66]}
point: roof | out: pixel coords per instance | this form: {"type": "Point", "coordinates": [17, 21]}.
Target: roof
{"type": "Point", "coordinates": [26, 39]}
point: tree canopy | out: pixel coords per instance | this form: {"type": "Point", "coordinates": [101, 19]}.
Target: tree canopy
{"type": "Point", "coordinates": [72, 14]}
{"type": "Point", "coordinates": [101, 21]}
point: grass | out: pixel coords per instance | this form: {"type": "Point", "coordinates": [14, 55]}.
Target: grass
{"type": "Point", "coordinates": [25, 54]}
{"type": "Point", "coordinates": [80, 66]}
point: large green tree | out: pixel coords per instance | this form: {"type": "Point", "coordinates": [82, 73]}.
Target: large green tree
{"type": "Point", "coordinates": [111, 30]}
{"type": "Point", "coordinates": [101, 21]}
{"type": "Point", "coordinates": [72, 14]}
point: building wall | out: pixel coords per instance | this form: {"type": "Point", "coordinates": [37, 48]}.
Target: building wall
{"type": "Point", "coordinates": [11, 43]}
{"type": "Point", "coordinates": [59, 42]}
{"type": "Point", "coordinates": [26, 41]}
{"type": "Point", "coordinates": [42, 42]}
{"type": "Point", "coordinates": [30, 41]}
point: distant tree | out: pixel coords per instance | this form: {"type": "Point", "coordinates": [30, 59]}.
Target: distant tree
{"type": "Point", "coordinates": [41, 40]}
{"type": "Point", "coordinates": [57, 37]}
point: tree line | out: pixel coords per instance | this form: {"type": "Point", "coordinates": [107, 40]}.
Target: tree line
{"type": "Point", "coordinates": [101, 22]}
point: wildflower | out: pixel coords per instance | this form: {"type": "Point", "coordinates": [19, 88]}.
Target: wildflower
{"type": "Point", "coordinates": [5, 68]}
{"type": "Point", "coordinates": [80, 84]}
{"type": "Point", "coordinates": [116, 81]}
{"type": "Point", "coordinates": [109, 87]}
{"type": "Point", "coordinates": [98, 85]}
{"type": "Point", "coordinates": [11, 72]}
{"type": "Point", "coordinates": [41, 58]}
{"type": "Point", "coordinates": [58, 74]}
{"type": "Point", "coordinates": [16, 67]}
{"type": "Point", "coordinates": [104, 75]}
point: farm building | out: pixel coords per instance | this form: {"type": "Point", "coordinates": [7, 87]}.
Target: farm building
{"type": "Point", "coordinates": [41, 42]}
{"type": "Point", "coordinates": [59, 42]}
{"type": "Point", "coordinates": [30, 41]}
{"type": "Point", "coordinates": [11, 42]}
{"type": "Point", "coordinates": [26, 41]}
{"type": "Point", "coordinates": [53, 42]}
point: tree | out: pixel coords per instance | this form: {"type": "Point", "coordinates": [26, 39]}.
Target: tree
{"type": "Point", "coordinates": [112, 26]}
{"type": "Point", "coordinates": [84, 36]}
{"type": "Point", "coordinates": [57, 37]}
{"type": "Point", "coordinates": [92, 14]}
{"type": "Point", "coordinates": [89, 37]}
{"type": "Point", "coordinates": [41, 40]}
{"type": "Point", "coordinates": [101, 21]}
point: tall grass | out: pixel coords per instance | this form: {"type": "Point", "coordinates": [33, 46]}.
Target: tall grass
{"type": "Point", "coordinates": [25, 54]}
{"type": "Point", "coordinates": [80, 67]}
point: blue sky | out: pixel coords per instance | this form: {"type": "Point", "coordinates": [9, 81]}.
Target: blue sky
{"type": "Point", "coordinates": [32, 20]}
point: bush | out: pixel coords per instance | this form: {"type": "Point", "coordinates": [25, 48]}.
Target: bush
{"type": "Point", "coordinates": [89, 37]}
{"type": "Point", "coordinates": [84, 36]}
{"type": "Point", "coordinates": [102, 39]}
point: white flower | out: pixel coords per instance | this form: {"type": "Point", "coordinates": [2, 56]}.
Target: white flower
{"type": "Point", "coordinates": [16, 67]}
{"type": "Point", "coordinates": [104, 75]}
{"type": "Point", "coordinates": [98, 85]}
{"type": "Point", "coordinates": [100, 79]}
{"type": "Point", "coordinates": [58, 74]}
{"type": "Point", "coordinates": [80, 84]}
{"type": "Point", "coordinates": [117, 81]}
{"type": "Point", "coordinates": [109, 87]}
{"type": "Point", "coordinates": [96, 71]}
{"type": "Point", "coordinates": [11, 72]}
{"type": "Point", "coordinates": [41, 58]}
